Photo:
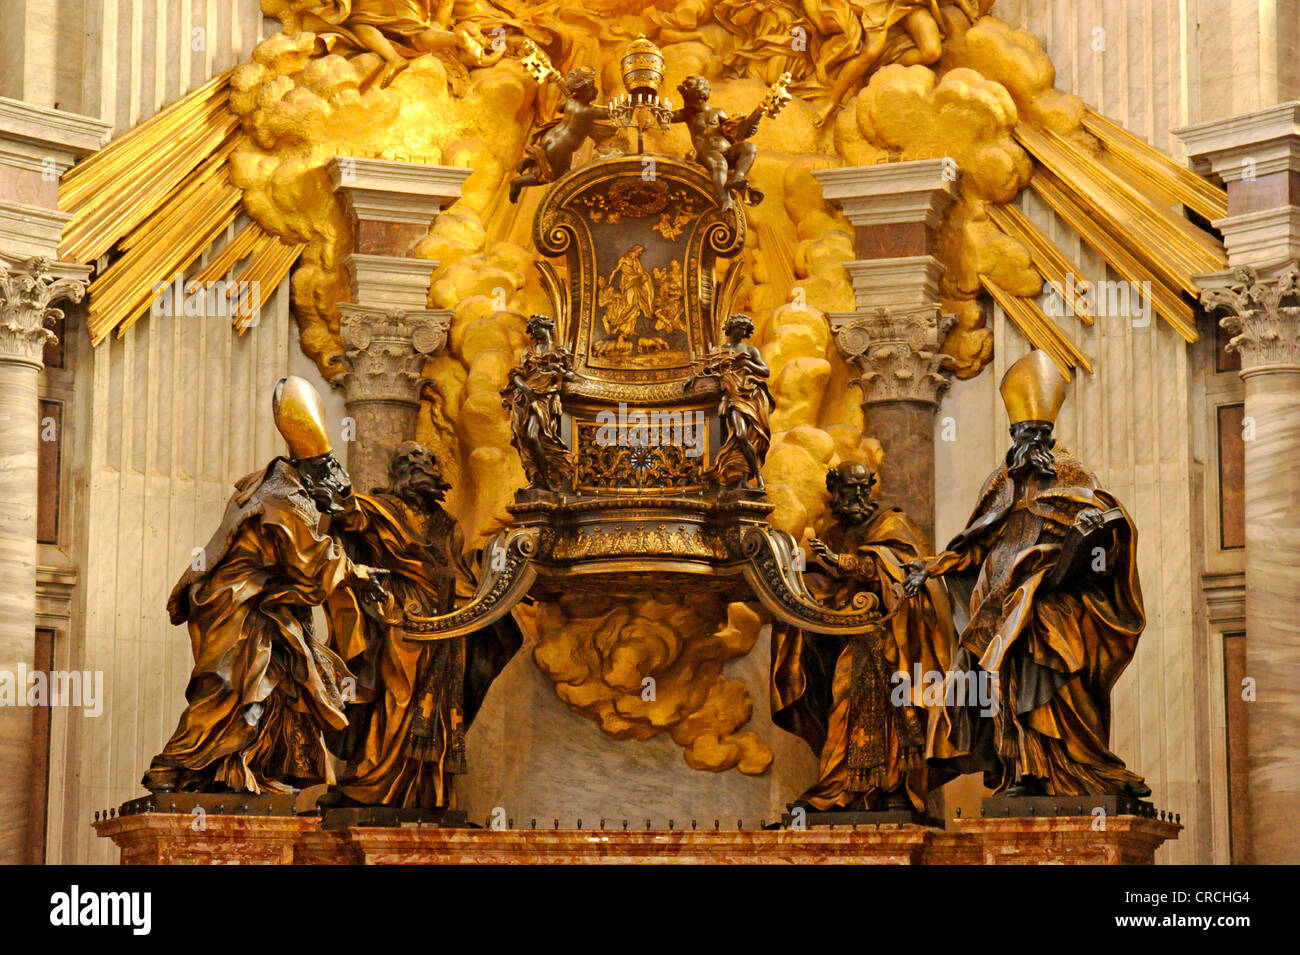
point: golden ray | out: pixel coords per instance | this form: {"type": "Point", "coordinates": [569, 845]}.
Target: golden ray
{"type": "Point", "coordinates": [235, 252]}
{"type": "Point", "coordinates": [1051, 263]}
{"type": "Point", "coordinates": [1169, 304]}
{"type": "Point", "coordinates": [270, 263]}
{"type": "Point", "coordinates": [1146, 164]}
{"type": "Point", "coordinates": [1041, 331]}
{"type": "Point", "coordinates": [1167, 244]}
{"type": "Point", "coordinates": [119, 187]}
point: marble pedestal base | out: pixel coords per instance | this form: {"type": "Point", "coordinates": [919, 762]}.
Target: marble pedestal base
{"type": "Point", "coordinates": [169, 838]}
{"type": "Point", "coordinates": [1069, 840]}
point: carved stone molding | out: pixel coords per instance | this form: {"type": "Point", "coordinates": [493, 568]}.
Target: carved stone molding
{"type": "Point", "coordinates": [1263, 314]}
{"type": "Point", "coordinates": [386, 190]}
{"type": "Point", "coordinates": [916, 191]}
{"type": "Point", "coordinates": [897, 351]}
{"type": "Point", "coordinates": [384, 351]}
{"type": "Point", "coordinates": [26, 291]}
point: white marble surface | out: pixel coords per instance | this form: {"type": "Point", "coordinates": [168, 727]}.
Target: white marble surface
{"type": "Point", "coordinates": [18, 436]}
{"type": "Point", "coordinates": [537, 759]}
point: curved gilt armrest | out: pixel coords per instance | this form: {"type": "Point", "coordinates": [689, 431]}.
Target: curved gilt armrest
{"type": "Point", "coordinates": [771, 573]}
{"type": "Point", "coordinates": [507, 577]}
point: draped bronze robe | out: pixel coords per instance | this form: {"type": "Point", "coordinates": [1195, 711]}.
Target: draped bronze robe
{"type": "Point", "coordinates": [1057, 652]}
{"type": "Point", "coordinates": [543, 372]}
{"type": "Point", "coordinates": [836, 693]}
{"type": "Point", "coordinates": [263, 686]}
{"type": "Point", "coordinates": [415, 700]}
{"type": "Point", "coordinates": [747, 395]}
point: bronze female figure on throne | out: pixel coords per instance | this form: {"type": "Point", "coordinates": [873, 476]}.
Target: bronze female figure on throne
{"type": "Point", "coordinates": [746, 404]}
{"type": "Point", "coordinates": [533, 398]}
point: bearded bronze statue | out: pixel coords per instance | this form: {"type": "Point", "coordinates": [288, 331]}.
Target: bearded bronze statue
{"type": "Point", "coordinates": [1047, 568]}
{"type": "Point", "coordinates": [414, 702]}
{"type": "Point", "coordinates": [265, 687]}
{"type": "Point", "coordinates": [858, 701]}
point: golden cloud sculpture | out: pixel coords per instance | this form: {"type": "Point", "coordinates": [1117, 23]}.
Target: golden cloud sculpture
{"type": "Point", "coordinates": [642, 667]}
{"type": "Point", "coordinates": [873, 82]}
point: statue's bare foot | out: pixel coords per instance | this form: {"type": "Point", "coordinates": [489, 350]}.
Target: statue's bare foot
{"type": "Point", "coordinates": [391, 69]}
{"type": "Point", "coordinates": [825, 117]}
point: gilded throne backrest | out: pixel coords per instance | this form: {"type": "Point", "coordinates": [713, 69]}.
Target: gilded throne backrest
{"type": "Point", "coordinates": [638, 303]}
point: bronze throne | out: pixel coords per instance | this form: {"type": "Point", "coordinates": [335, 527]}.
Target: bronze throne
{"type": "Point", "coordinates": [637, 418]}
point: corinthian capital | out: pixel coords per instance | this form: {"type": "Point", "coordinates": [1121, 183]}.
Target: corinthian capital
{"type": "Point", "coordinates": [26, 291]}
{"type": "Point", "coordinates": [897, 351]}
{"type": "Point", "coordinates": [1263, 313]}
{"type": "Point", "coordinates": [384, 351]}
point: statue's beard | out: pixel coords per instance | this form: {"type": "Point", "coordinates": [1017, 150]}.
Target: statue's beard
{"type": "Point", "coordinates": [422, 494]}
{"type": "Point", "coordinates": [1031, 457]}
{"type": "Point", "coordinates": [853, 513]}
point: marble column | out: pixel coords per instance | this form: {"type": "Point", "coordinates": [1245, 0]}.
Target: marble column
{"type": "Point", "coordinates": [37, 146]}
{"type": "Point", "coordinates": [1257, 156]}
{"type": "Point", "coordinates": [1262, 311]}
{"type": "Point", "coordinates": [384, 351]}
{"type": "Point", "coordinates": [26, 293]}
{"type": "Point", "coordinates": [387, 329]}
{"type": "Point", "coordinates": [902, 382]}
{"type": "Point", "coordinates": [895, 334]}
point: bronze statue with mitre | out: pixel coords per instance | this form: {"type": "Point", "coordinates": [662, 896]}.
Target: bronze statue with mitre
{"type": "Point", "coordinates": [266, 688]}
{"type": "Point", "coordinates": [1047, 567]}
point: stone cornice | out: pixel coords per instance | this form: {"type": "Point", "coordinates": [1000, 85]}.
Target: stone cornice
{"type": "Point", "coordinates": [390, 281]}
{"type": "Point", "coordinates": [31, 230]}
{"type": "Point", "coordinates": [1268, 235]}
{"type": "Point", "coordinates": [54, 129]}
{"type": "Point", "coordinates": [904, 281]}
{"type": "Point", "coordinates": [895, 192]}
{"type": "Point", "coordinates": [383, 190]}
{"type": "Point", "coordinates": [1255, 144]}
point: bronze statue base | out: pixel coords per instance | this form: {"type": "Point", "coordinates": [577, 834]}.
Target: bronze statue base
{"type": "Point", "coordinates": [883, 817]}
{"type": "Point", "coordinates": [997, 807]}
{"type": "Point", "coordinates": [225, 804]}
{"type": "Point", "coordinates": [392, 817]}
